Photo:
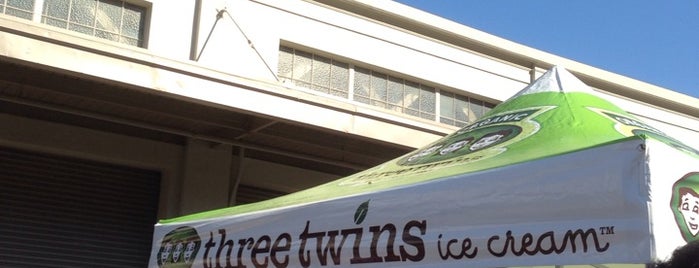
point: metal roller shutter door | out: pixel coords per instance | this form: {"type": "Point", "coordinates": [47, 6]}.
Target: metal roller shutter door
{"type": "Point", "coordinates": [65, 212]}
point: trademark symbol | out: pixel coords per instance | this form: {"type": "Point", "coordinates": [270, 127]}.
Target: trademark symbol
{"type": "Point", "coordinates": [606, 230]}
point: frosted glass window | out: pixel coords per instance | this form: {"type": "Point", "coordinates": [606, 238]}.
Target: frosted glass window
{"type": "Point", "coordinates": [454, 109]}
{"type": "Point", "coordinates": [303, 62]}
{"type": "Point", "coordinates": [82, 12]}
{"type": "Point", "coordinates": [427, 102]}
{"type": "Point", "coordinates": [478, 108]}
{"type": "Point", "coordinates": [286, 62]}
{"type": "Point", "coordinates": [339, 79]}
{"type": "Point", "coordinates": [132, 24]}
{"type": "Point", "coordinates": [379, 87]}
{"type": "Point", "coordinates": [56, 13]}
{"type": "Point", "coordinates": [362, 84]}
{"type": "Point", "coordinates": [320, 78]}
{"type": "Point", "coordinates": [328, 75]}
{"type": "Point", "coordinates": [108, 19]}
{"type": "Point", "coordinates": [446, 108]}
{"type": "Point", "coordinates": [461, 115]}
{"type": "Point", "coordinates": [108, 22]}
{"type": "Point", "coordinates": [411, 100]}
{"type": "Point", "coordinates": [395, 94]}
{"type": "Point", "coordinates": [313, 71]}
{"type": "Point", "coordinates": [487, 107]}
{"type": "Point", "coordinates": [17, 8]}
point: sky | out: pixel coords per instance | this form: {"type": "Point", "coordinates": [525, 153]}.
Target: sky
{"type": "Point", "coordinates": [656, 42]}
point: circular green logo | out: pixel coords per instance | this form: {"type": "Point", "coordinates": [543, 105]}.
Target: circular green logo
{"type": "Point", "coordinates": [463, 144]}
{"type": "Point", "coordinates": [179, 248]}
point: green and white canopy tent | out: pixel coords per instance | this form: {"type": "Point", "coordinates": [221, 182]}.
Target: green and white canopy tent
{"type": "Point", "coordinates": [553, 176]}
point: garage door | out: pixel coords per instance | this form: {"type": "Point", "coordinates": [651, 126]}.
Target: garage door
{"type": "Point", "coordinates": [64, 212]}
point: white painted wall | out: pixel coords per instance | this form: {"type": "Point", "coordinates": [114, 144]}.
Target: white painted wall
{"type": "Point", "coordinates": [170, 31]}
{"type": "Point", "coordinates": [269, 22]}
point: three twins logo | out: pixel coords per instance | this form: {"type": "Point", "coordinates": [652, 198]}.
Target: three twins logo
{"type": "Point", "coordinates": [685, 205]}
{"type": "Point", "coordinates": [179, 248]}
{"type": "Point", "coordinates": [628, 127]}
{"type": "Point", "coordinates": [482, 139]}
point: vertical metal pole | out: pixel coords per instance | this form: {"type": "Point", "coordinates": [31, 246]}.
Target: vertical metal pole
{"type": "Point", "coordinates": [236, 176]}
{"type": "Point", "coordinates": [532, 76]}
{"type": "Point", "coordinates": [194, 45]}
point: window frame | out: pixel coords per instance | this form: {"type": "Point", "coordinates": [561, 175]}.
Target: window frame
{"type": "Point", "coordinates": [37, 16]}
{"type": "Point", "coordinates": [431, 111]}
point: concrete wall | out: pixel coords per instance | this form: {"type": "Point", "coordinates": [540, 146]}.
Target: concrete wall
{"type": "Point", "coordinates": [207, 176]}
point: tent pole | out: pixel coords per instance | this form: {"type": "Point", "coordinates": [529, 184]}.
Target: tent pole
{"type": "Point", "coordinates": [236, 176]}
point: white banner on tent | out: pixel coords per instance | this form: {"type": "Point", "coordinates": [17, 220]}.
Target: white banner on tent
{"type": "Point", "coordinates": [542, 212]}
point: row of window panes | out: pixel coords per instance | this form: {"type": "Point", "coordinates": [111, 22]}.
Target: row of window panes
{"type": "Point", "coordinates": [394, 93]}
{"type": "Point", "coordinates": [378, 89]}
{"type": "Point", "coordinates": [315, 72]}
{"type": "Point", "coordinates": [108, 19]}
{"type": "Point", "coordinates": [458, 110]}
{"type": "Point", "coordinates": [18, 8]}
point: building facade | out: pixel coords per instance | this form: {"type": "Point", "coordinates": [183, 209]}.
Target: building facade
{"type": "Point", "coordinates": [114, 114]}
